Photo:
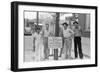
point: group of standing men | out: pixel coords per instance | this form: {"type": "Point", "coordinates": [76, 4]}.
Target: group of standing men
{"type": "Point", "coordinates": [67, 34]}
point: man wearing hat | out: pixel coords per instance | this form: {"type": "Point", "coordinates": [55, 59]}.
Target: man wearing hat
{"type": "Point", "coordinates": [67, 37]}
{"type": "Point", "coordinates": [77, 41]}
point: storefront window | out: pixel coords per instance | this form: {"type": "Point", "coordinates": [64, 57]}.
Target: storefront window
{"type": "Point", "coordinates": [30, 20]}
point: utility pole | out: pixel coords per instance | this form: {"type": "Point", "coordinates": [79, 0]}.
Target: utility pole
{"type": "Point", "coordinates": [37, 18]}
{"type": "Point", "coordinates": [56, 35]}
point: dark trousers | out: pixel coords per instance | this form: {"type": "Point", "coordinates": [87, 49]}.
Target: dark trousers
{"type": "Point", "coordinates": [78, 47]}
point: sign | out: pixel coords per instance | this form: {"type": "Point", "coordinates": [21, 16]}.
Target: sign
{"type": "Point", "coordinates": [55, 42]}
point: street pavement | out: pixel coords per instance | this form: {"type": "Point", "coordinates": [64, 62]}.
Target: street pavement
{"type": "Point", "coordinates": [29, 53]}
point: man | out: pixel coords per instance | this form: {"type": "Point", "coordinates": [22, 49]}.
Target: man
{"type": "Point", "coordinates": [38, 45]}
{"type": "Point", "coordinates": [77, 41]}
{"type": "Point", "coordinates": [67, 38]}
{"type": "Point", "coordinates": [46, 34]}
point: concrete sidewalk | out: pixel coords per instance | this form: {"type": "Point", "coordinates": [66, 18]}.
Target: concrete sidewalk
{"type": "Point", "coordinates": [29, 54]}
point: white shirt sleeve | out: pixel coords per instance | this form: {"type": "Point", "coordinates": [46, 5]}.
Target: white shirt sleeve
{"type": "Point", "coordinates": [34, 35]}
{"type": "Point", "coordinates": [71, 31]}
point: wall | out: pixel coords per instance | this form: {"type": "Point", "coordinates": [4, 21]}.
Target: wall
{"type": "Point", "coordinates": [5, 35]}
{"type": "Point", "coordinates": [82, 22]}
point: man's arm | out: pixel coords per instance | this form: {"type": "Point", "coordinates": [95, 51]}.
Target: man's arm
{"type": "Point", "coordinates": [34, 41]}
{"type": "Point", "coordinates": [42, 33]}
{"type": "Point", "coordinates": [72, 33]}
{"type": "Point", "coordinates": [80, 29]}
